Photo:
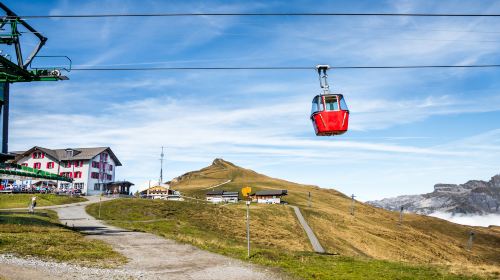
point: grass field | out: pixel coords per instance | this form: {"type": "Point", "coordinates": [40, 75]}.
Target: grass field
{"type": "Point", "coordinates": [277, 239]}
{"type": "Point", "coordinates": [23, 200]}
{"type": "Point", "coordinates": [371, 232]}
{"type": "Point", "coordinates": [41, 235]}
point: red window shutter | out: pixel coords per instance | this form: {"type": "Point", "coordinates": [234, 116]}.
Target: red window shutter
{"type": "Point", "coordinates": [43, 155]}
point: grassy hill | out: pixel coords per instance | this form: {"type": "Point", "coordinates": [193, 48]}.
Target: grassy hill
{"type": "Point", "coordinates": [371, 232]}
{"type": "Point", "coordinates": [369, 245]}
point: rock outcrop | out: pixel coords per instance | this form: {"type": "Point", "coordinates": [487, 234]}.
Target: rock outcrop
{"type": "Point", "coordinates": [473, 197]}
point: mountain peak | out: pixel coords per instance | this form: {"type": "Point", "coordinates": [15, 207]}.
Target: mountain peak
{"type": "Point", "coordinates": [222, 162]}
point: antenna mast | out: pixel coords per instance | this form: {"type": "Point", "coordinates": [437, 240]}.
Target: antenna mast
{"type": "Point", "coordinates": [161, 166]}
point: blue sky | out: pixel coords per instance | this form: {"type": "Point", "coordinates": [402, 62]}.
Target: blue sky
{"type": "Point", "coordinates": [409, 129]}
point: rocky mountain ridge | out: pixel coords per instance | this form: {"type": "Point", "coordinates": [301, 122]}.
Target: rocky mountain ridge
{"type": "Point", "coordinates": [472, 197]}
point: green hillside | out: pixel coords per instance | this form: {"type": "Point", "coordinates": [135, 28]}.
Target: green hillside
{"type": "Point", "coordinates": [370, 244]}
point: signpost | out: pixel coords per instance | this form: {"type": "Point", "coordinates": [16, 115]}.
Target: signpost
{"type": "Point", "coordinates": [245, 192]}
{"type": "Point", "coordinates": [248, 228]}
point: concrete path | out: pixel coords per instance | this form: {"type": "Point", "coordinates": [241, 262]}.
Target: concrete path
{"type": "Point", "coordinates": [218, 185]}
{"type": "Point", "coordinates": [150, 256]}
{"type": "Point", "coordinates": [310, 234]}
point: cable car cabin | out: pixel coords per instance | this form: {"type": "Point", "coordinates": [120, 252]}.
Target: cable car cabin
{"type": "Point", "coordinates": [329, 114]}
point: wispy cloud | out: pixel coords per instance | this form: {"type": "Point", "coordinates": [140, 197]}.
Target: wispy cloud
{"type": "Point", "coordinates": [261, 119]}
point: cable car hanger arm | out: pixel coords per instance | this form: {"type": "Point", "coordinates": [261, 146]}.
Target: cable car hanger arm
{"type": "Point", "coordinates": [14, 18]}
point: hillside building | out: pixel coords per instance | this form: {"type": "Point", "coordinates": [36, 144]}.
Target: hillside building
{"type": "Point", "coordinates": [161, 192]}
{"type": "Point", "coordinates": [92, 169]}
{"type": "Point", "coordinates": [218, 196]}
{"type": "Point", "coordinates": [119, 187]}
{"type": "Point", "coordinates": [268, 196]}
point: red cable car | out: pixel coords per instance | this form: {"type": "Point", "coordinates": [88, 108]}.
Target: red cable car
{"type": "Point", "coordinates": [329, 114]}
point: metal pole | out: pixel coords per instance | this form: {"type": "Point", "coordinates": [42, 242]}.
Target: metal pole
{"type": "Point", "coordinates": [401, 215]}
{"type": "Point", "coordinates": [352, 204]}
{"type": "Point", "coordinates": [5, 121]}
{"type": "Point", "coordinates": [100, 198]}
{"type": "Point", "coordinates": [470, 241]}
{"type": "Point", "coordinates": [248, 229]}
{"type": "Point", "coordinates": [309, 202]}
{"type": "Point", "coordinates": [161, 167]}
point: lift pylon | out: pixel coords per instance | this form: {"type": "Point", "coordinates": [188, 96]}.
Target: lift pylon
{"type": "Point", "coordinates": [14, 68]}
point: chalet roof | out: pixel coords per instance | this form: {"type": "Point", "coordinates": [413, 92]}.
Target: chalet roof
{"type": "Point", "coordinates": [271, 192]}
{"type": "Point", "coordinates": [215, 192]}
{"type": "Point", "coordinates": [78, 153]}
{"type": "Point", "coordinates": [230, 194]}
{"type": "Point", "coordinates": [120, 183]}
{"type": "Point", "coordinates": [156, 189]}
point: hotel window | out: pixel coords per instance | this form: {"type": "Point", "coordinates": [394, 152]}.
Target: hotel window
{"type": "Point", "coordinates": [109, 177]}
{"type": "Point", "coordinates": [24, 164]}
{"type": "Point", "coordinates": [50, 165]}
{"type": "Point", "coordinates": [77, 174]}
{"type": "Point", "coordinates": [37, 165]}
{"type": "Point", "coordinates": [95, 164]}
{"type": "Point", "coordinates": [78, 163]}
{"type": "Point", "coordinates": [38, 155]}
{"type": "Point", "coordinates": [67, 174]}
{"type": "Point", "coordinates": [97, 187]}
{"type": "Point", "coordinates": [94, 175]}
{"type": "Point", "coordinates": [79, 186]}
{"type": "Point", "coordinates": [110, 167]}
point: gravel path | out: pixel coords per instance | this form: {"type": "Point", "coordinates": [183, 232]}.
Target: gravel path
{"type": "Point", "coordinates": [150, 257]}
{"type": "Point", "coordinates": [310, 234]}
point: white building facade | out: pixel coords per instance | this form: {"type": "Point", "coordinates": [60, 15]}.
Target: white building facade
{"type": "Point", "coordinates": [90, 168]}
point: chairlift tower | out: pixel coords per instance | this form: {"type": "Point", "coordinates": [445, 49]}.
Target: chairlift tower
{"type": "Point", "coordinates": [15, 69]}
{"type": "Point", "coordinates": [18, 69]}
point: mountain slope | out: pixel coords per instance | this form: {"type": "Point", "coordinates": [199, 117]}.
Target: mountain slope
{"type": "Point", "coordinates": [473, 197]}
{"type": "Point", "coordinates": [372, 232]}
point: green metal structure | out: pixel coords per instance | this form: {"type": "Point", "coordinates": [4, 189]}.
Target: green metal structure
{"type": "Point", "coordinates": [21, 70]}
{"type": "Point", "coordinates": [16, 170]}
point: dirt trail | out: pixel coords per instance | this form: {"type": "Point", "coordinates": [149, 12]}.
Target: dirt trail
{"type": "Point", "coordinates": [150, 256]}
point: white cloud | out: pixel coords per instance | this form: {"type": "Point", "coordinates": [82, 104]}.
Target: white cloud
{"type": "Point", "coordinates": [470, 220]}
{"type": "Point", "coordinates": [261, 119]}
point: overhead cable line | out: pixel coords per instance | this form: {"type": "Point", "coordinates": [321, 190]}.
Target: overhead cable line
{"type": "Point", "coordinates": [282, 68]}
{"type": "Point", "coordinates": [259, 15]}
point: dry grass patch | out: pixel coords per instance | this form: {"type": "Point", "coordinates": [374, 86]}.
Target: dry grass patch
{"type": "Point", "coordinates": [372, 232]}
{"type": "Point", "coordinates": [277, 239]}
{"type": "Point", "coordinates": [23, 200]}
{"type": "Point", "coordinates": [42, 236]}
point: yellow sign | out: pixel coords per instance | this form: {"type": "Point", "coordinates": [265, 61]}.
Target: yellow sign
{"type": "Point", "coordinates": [246, 191]}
